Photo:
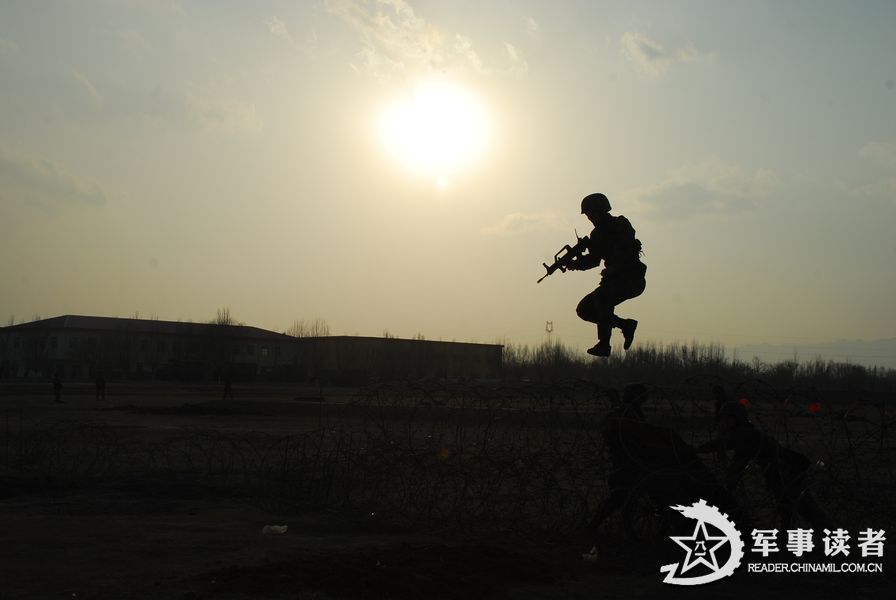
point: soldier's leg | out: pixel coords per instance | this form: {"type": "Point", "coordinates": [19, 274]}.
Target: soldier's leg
{"type": "Point", "coordinates": [619, 484]}
{"type": "Point", "coordinates": [804, 503]}
{"type": "Point", "coordinates": [598, 306]}
{"type": "Point", "coordinates": [608, 295]}
{"type": "Point", "coordinates": [626, 289]}
{"type": "Point", "coordinates": [610, 504]}
{"type": "Point", "coordinates": [586, 308]}
{"type": "Point", "coordinates": [590, 309]}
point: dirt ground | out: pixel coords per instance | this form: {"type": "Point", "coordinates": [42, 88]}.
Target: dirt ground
{"type": "Point", "coordinates": [142, 538]}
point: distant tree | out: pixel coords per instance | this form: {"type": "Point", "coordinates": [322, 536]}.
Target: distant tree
{"type": "Point", "coordinates": [223, 317]}
{"type": "Point", "coordinates": [316, 327]}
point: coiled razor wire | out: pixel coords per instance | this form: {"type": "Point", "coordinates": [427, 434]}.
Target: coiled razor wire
{"type": "Point", "coordinates": [527, 459]}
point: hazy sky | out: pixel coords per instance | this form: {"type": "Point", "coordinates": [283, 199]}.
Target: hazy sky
{"type": "Point", "coordinates": [407, 166]}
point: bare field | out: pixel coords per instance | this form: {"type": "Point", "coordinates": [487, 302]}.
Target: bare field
{"type": "Point", "coordinates": [399, 491]}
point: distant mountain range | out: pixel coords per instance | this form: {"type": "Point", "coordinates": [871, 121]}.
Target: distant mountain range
{"type": "Point", "coordinates": [881, 353]}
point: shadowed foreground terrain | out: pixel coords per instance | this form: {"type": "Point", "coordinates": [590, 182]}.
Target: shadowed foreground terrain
{"type": "Point", "coordinates": [401, 491]}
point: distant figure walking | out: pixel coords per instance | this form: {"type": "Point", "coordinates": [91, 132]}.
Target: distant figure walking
{"type": "Point", "coordinates": [57, 387]}
{"type": "Point", "coordinates": [100, 386]}
{"type": "Point", "coordinates": [612, 241]}
{"type": "Point", "coordinates": [785, 470]}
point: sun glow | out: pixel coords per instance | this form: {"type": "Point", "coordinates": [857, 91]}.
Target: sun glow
{"type": "Point", "coordinates": [438, 130]}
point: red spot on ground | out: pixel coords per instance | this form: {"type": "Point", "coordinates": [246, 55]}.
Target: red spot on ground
{"type": "Point", "coordinates": [815, 407]}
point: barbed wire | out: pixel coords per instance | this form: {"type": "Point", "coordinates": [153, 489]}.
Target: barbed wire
{"type": "Point", "coordinates": [523, 459]}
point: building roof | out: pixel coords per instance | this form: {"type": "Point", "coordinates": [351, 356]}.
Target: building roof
{"type": "Point", "coordinates": [153, 326]}
{"type": "Point", "coordinates": [394, 339]}
{"type": "Point", "coordinates": [116, 324]}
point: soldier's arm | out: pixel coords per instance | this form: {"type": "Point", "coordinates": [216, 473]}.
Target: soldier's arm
{"type": "Point", "coordinates": [589, 260]}
{"type": "Point", "coordinates": [744, 444]}
{"type": "Point", "coordinates": [585, 262]}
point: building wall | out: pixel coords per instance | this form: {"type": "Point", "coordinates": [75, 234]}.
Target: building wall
{"type": "Point", "coordinates": [389, 358]}
{"type": "Point", "coordinates": [80, 354]}
{"type": "Point", "coordinates": [164, 350]}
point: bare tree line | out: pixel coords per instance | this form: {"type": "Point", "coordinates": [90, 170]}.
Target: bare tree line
{"type": "Point", "coordinates": [553, 361]}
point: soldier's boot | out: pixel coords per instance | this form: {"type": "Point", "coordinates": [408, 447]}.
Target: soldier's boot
{"type": "Point", "coordinates": [628, 327]}
{"type": "Point", "coordinates": [602, 347]}
{"type": "Point", "coordinates": [599, 349]}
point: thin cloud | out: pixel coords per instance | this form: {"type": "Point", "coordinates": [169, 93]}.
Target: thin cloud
{"type": "Point", "coordinates": [519, 223]}
{"type": "Point", "coordinates": [215, 111]}
{"type": "Point", "coordinates": [395, 40]}
{"type": "Point", "coordinates": [882, 154]}
{"type": "Point", "coordinates": [464, 48]}
{"type": "Point", "coordinates": [532, 27]}
{"type": "Point", "coordinates": [391, 34]}
{"type": "Point", "coordinates": [885, 188]}
{"type": "Point", "coordinates": [279, 29]}
{"type": "Point", "coordinates": [172, 6]}
{"type": "Point", "coordinates": [709, 187]}
{"type": "Point", "coordinates": [518, 64]}
{"type": "Point", "coordinates": [87, 86]}
{"type": "Point", "coordinates": [651, 58]}
{"type": "Point", "coordinates": [132, 40]}
{"type": "Point", "coordinates": [41, 181]}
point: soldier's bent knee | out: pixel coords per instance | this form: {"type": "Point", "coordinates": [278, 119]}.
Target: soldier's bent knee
{"type": "Point", "coordinates": [594, 308]}
{"type": "Point", "coordinates": [585, 310]}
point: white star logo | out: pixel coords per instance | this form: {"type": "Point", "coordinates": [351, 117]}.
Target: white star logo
{"type": "Point", "coordinates": [696, 546]}
{"type": "Point", "coordinates": [701, 547]}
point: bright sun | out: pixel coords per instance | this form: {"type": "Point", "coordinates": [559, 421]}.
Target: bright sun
{"type": "Point", "coordinates": [437, 130]}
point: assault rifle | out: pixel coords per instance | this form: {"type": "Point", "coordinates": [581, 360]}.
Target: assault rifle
{"type": "Point", "coordinates": [563, 259]}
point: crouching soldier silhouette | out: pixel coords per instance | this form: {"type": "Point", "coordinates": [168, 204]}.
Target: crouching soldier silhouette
{"type": "Point", "coordinates": [653, 462]}
{"type": "Point", "coordinates": [623, 277]}
{"type": "Point", "coordinates": [627, 469]}
{"type": "Point", "coordinates": [785, 470]}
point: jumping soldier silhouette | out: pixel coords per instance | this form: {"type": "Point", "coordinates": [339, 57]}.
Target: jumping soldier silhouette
{"type": "Point", "coordinates": [623, 277]}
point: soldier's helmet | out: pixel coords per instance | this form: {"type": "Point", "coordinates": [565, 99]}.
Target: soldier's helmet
{"type": "Point", "coordinates": [595, 203]}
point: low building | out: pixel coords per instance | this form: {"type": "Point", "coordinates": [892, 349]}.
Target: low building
{"type": "Point", "coordinates": [78, 347]}
{"type": "Point", "coordinates": [360, 359]}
